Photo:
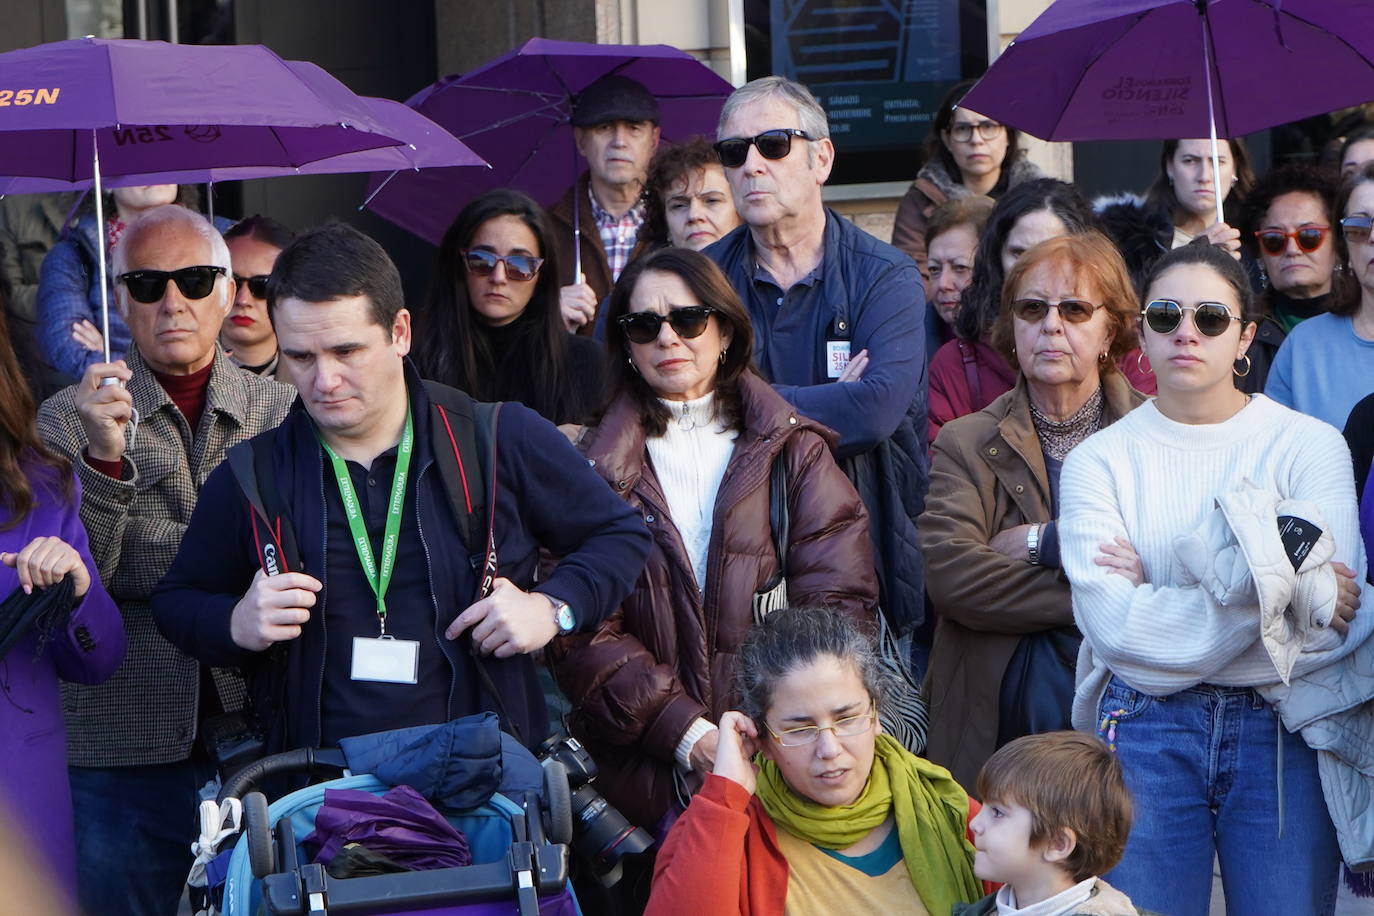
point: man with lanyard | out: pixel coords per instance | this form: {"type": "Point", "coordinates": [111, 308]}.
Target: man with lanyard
{"type": "Point", "coordinates": [380, 627]}
{"type": "Point", "coordinates": [838, 317]}
{"type": "Point", "coordinates": [615, 124]}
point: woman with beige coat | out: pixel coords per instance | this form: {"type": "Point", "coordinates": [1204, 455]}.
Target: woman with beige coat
{"type": "Point", "coordinates": [988, 533]}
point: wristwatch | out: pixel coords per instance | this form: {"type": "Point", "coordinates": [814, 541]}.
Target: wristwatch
{"type": "Point", "coordinates": [562, 615]}
{"type": "Point", "coordinates": [1033, 545]}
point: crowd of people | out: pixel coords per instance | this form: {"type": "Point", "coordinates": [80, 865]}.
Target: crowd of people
{"type": "Point", "coordinates": [940, 576]}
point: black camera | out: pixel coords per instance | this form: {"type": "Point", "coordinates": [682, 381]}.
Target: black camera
{"type": "Point", "coordinates": [601, 834]}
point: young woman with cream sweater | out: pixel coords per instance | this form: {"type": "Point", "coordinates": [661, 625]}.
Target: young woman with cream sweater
{"type": "Point", "coordinates": [1171, 673]}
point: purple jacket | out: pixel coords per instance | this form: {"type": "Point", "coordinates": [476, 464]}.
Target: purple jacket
{"type": "Point", "coordinates": [33, 751]}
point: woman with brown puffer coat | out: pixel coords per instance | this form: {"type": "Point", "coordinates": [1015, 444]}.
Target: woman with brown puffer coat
{"type": "Point", "coordinates": [690, 438]}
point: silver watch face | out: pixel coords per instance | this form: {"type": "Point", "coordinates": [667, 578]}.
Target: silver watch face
{"type": "Point", "coordinates": [564, 617]}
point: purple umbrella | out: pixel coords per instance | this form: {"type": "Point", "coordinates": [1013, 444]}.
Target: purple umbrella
{"type": "Point", "coordinates": [1159, 69]}
{"type": "Point", "coordinates": [427, 145]}
{"type": "Point", "coordinates": [515, 110]}
{"type": "Point", "coordinates": [148, 106]}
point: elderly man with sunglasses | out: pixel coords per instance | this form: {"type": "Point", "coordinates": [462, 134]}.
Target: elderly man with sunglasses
{"type": "Point", "coordinates": [838, 317]}
{"type": "Point", "coordinates": [143, 434]}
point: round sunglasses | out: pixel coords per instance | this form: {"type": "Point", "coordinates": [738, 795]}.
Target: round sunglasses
{"type": "Point", "coordinates": [1309, 238]}
{"type": "Point", "coordinates": [1075, 311]}
{"type": "Point", "coordinates": [257, 286]}
{"type": "Point", "coordinates": [519, 267]}
{"type": "Point", "coordinates": [1211, 319]}
{"type": "Point", "coordinates": [148, 286]}
{"type": "Point", "coordinates": [772, 144]}
{"type": "Point", "coordinates": [688, 322]}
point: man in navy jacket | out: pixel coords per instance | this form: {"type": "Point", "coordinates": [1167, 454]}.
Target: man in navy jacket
{"type": "Point", "coordinates": [381, 626]}
{"type": "Point", "coordinates": [838, 317]}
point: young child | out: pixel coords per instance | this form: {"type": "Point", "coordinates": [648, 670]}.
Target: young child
{"type": "Point", "coordinates": [1056, 814]}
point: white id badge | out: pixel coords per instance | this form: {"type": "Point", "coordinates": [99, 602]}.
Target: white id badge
{"type": "Point", "coordinates": [391, 661]}
{"type": "Point", "coordinates": [836, 357]}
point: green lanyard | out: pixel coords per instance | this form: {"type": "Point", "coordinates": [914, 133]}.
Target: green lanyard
{"type": "Point", "coordinates": [378, 579]}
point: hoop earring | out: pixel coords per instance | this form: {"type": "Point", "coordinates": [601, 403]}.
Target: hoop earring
{"type": "Point", "coordinates": [1102, 358]}
{"type": "Point", "coordinates": [1246, 357]}
{"type": "Point", "coordinates": [631, 361]}
{"type": "Point", "coordinates": [722, 355]}
{"type": "Point", "coordinates": [1139, 363]}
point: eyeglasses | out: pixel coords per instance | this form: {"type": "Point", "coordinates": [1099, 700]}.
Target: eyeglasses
{"type": "Point", "coordinates": [1309, 238]}
{"type": "Point", "coordinates": [688, 322]}
{"type": "Point", "coordinates": [1075, 311]}
{"type": "Point", "coordinates": [848, 727]}
{"type": "Point", "coordinates": [519, 267]}
{"type": "Point", "coordinates": [987, 130]}
{"type": "Point", "coordinates": [1356, 228]}
{"type": "Point", "coordinates": [257, 286]}
{"type": "Point", "coordinates": [149, 285]}
{"type": "Point", "coordinates": [772, 144]}
{"type": "Point", "coordinates": [1210, 318]}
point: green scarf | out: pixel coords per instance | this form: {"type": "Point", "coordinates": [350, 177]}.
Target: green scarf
{"type": "Point", "coordinates": [929, 807]}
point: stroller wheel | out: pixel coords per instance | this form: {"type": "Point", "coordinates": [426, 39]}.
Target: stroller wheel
{"type": "Point", "coordinates": [262, 858]}
{"type": "Point", "coordinates": [558, 800]}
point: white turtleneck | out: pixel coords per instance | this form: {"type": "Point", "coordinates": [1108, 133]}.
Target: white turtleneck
{"type": "Point", "coordinates": [1061, 904]}
{"type": "Point", "coordinates": [690, 459]}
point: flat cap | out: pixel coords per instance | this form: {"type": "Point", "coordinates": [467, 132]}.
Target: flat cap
{"type": "Point", "coordinates": [614, 98]}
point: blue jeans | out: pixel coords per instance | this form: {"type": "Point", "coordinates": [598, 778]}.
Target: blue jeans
{"type": "Point", "coordinates": [134, 829]}
{"type": "Point", "coordinates": [1204, 771]}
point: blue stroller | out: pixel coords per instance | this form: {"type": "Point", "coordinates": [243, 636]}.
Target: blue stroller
{"type": "Point", "coordinates": [514, 813]}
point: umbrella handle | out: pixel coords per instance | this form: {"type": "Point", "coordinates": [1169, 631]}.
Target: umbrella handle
{"type": "Point", "coordinates": [1219, 193]}
{"type": "Point", "coordinates": [100, 234]}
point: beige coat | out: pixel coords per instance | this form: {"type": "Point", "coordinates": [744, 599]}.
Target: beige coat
{"type": "Point", "coordinates": [987, 474]}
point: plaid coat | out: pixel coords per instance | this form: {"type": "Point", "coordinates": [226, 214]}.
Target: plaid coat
{"type": "Point", "coordinates": [146, 713]}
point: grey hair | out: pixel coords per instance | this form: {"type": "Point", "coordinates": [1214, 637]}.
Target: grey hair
{"type": "Point", "coordinates": [188, 220]}
{"type": "Point", "coordinates": [809, 110]}
{"type": "Point", "coordinates": [792, 637]}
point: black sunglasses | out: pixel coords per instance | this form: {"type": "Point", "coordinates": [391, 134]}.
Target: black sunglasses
{"type": "Point", "coordinates": [643, 327]}
{"type": "Point", "coordinates": [519, 267]}
{"type": "Point", "coordinates": [1309, 238]}
{"type": "Point", "coordinates": [1073, 310]}
{"type": "Point", "coordinates": [772, 144]}
{"type": "Point", "coordinates": [1211, 318]}
{"type": "Point", "coordinates": [257, 286]}
{"type": "Point", "coordinates": [149, 285]}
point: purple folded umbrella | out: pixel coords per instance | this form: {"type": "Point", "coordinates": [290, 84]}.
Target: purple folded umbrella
{"type": "Point", "coordinates": [400, 825]}
{"type": "Point", "coordinates": [514, 112]}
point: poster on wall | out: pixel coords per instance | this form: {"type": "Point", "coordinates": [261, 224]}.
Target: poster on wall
{"type": "Point", "coordinates": [879, 67]}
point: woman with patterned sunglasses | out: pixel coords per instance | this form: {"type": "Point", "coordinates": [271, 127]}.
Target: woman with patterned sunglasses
{"type": "Point", "coordinates": [1205, 629]}
{"type": "Point", "coordinates": [1289, 222]}
{"type": "Point", "coordinates": [690, 438]}
{"type": "Point", "coordinates": [1326, 365]}
{"type": "Point", "coordinates": [492, 326]}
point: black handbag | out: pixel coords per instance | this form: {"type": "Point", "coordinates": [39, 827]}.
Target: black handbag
{"type": "Point", "coordinates": [1037, 688]}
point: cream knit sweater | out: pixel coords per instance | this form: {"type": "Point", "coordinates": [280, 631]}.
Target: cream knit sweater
{"type": "Point", "coordinates": [1150, 480]}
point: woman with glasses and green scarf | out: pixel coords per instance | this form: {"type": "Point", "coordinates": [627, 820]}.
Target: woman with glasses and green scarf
{"type": "Point", "coordinates": [810, 808]}
{"type": "Point", "coordinates": [966, 154]}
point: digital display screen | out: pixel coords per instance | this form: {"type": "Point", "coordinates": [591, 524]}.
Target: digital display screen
{"type": "Point", "coordinates": [879, 67]}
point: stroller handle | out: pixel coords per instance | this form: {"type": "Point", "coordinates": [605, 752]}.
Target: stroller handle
{"type": "Point", "coordinates": [301, 759]}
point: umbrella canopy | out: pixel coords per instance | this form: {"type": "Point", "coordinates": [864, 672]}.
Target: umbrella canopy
{"type": "Point", "coordinates": [154, 107]}
{"type": "Point", "coordinates": [1141, 69]}
{"type": "Point", "coordinates": [515, 111]}
{"type": "Point", "coordinates": [427, 145]}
